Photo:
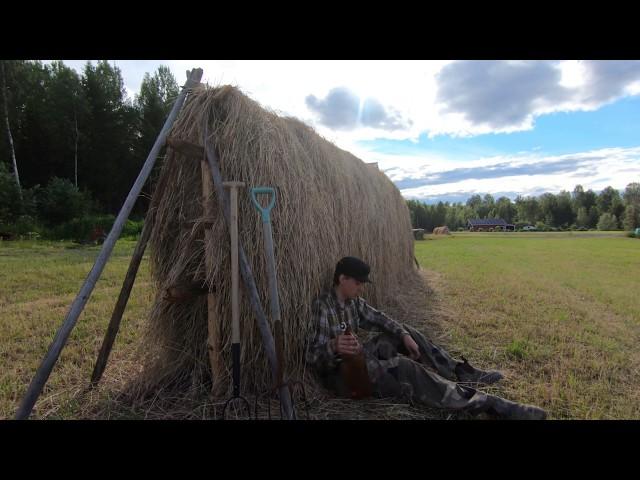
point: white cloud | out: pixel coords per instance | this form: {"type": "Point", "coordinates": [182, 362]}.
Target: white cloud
{"type": "Point", "coordinates": [596, 169]}
{"type": "Point", "coordinates": [497, 96]}
{"type": "Point", "coordinates": [406, 87]}
{"type": "Point", "coordinates": [438, 97]}
{"type": "Point", "coordinates": [483, 97]}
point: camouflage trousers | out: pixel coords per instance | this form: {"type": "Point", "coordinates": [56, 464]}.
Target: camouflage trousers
{"type": "Point", "coordinates": [410, 380]}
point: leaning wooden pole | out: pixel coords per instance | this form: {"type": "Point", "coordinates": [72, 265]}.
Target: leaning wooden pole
{"type": "Point", "coordinates": [121, 304]}
{"type": "Point", "coordinates": [59, 341]}
{"type": "Point", "coordinates": [123, 297]}
{"type": "Point", "coordinates": [247, 277]}
{"type": "Point", "coordinates": [214, 341]}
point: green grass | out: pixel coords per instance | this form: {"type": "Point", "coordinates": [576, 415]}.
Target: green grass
{"type": "Point", "coordinates": [558, 312]}
{"type": "Point", "coordinates": [38, 282]}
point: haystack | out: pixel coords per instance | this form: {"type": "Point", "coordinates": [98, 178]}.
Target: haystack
{"type": "Point", "coordinates": [441, 231]}
{"type": "Point", "coordinates": [329, 204]}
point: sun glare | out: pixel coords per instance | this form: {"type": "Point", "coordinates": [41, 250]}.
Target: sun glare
{"type": "Point", "coordinates": [572, 74]}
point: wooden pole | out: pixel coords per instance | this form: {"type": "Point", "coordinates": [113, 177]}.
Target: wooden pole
{"type": "Point", "coordinates": [247, 276]}
{"type": "Point", "coordinates": [214, 337]}
{"type": "Point", "coordinates": [235, 303]}
{"type": "Point", "coordinates": [59, 341]}
{"type": "Point", "coordinates": [233, 230]}
{"type": "Point", "coordinates": [123, 298]}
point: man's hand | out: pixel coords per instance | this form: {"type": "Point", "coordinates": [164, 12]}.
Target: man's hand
{"type": "Point", "coordinates": [411, 346]}
{"type": "Point", "coordinates": [346, 344]}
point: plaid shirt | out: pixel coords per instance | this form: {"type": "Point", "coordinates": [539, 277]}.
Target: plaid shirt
{"type": "Point", "coordinates": [330, 319]}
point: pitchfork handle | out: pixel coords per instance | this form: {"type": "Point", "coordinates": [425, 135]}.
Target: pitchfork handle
{"type": "Point", "coordinates": [235, 360]}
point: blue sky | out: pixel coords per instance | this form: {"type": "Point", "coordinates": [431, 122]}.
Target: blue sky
{"type": "Point", "coordinates": [613, 125]}
{"type": "Point", "coordinates": [555, 146]}
{"type": "Point", "coordinates": [445, 130]}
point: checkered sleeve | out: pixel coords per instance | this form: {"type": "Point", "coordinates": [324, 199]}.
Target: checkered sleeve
{"type": "Point", "coordinates": [372, 319]}
{"type": "Point", "coordinates": [320, 354]}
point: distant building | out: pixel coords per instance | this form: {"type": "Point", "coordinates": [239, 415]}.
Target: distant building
{"type": "Point", "coordinates": [489, 224]}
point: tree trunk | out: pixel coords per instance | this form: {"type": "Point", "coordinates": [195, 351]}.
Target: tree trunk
{"type": "Point", "coordinates": [8, 127]}
{"type": "Point", "coordinates": [75, 117]}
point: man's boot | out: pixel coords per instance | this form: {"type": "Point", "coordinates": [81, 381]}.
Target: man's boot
{"type": "Point", "coordinates": [509, 410]}
{"type": "Point", "coordinates": [466, 373]}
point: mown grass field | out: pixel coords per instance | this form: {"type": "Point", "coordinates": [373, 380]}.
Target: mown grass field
{"type": "Point", "coordinates": [38, 282]}
{"type": "Point", "coordinates": [559, 313]}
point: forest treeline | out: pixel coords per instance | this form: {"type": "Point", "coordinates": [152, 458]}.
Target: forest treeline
{"type": "Point", "coordinates": [73, 144]}
{"type": "Point", "coordinates": [579, 209]}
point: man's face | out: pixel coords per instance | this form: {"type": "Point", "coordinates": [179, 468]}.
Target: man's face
{"type": "Point", "coordinates": [350, 287]}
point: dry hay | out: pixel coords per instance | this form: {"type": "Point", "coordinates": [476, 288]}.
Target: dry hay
{"type": "Point", "coordinates": [329, 204]}
{"type": "Point", "coordinates": [417, 304]}
{"type": "Point", "coordinates": [441, 231]}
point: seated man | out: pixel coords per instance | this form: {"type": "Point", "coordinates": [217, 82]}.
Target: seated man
{"type": "Point", "coordinates": [395, 360]}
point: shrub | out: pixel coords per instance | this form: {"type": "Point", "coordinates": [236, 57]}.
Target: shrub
{"type": "Point", "coordinates": [24, 226]}
{"type": "Point", "coordinates": [81, 228]}
{"type": "Point", "coordinates": [542, 227]}
{"type": "Point", "coordinates": [30, 201]}
{"type": "Point", "coordinates": [17, 214]}
{"type": "Point", "coordinates": [10, 203]}
{"type": "Point", "coordinates": [132, 228]}
{"type": "Point", "coordinates": [607, 221]}
{"type": "Point", "coordinates": [60, 201]}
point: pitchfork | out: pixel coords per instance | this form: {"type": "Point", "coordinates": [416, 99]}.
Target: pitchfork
{"type": "Point", "coordinates": [235, 310]}
{"type": "Point", "coordinates": [286, 408]}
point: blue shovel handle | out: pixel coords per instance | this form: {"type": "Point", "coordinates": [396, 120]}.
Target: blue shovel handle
{"type": "Point", "coordinates": [264, 211]}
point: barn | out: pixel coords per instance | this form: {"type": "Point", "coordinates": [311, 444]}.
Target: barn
{"type": "Point", "coordinates": [489, 224]}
